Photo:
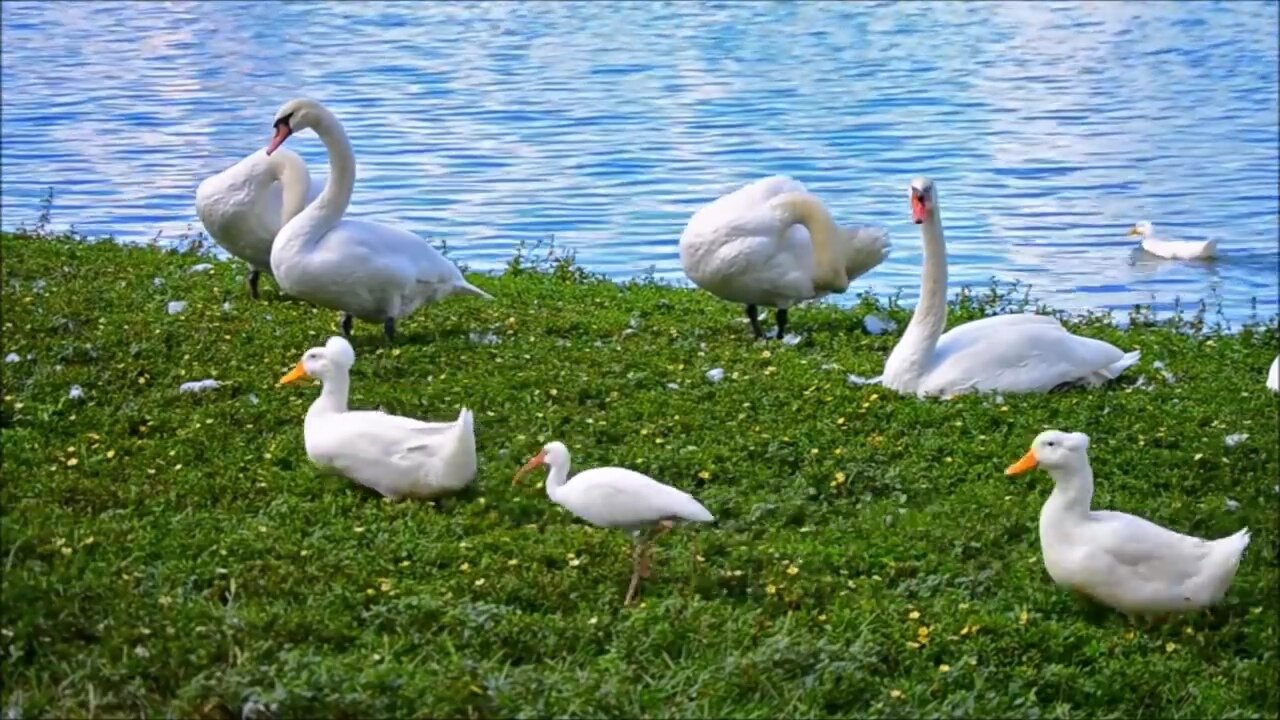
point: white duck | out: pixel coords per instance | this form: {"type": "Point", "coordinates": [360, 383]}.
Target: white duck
{"type": "Point", "coordinates": [1273, 376]}
{"type": "Point", "coordinates": [1173, 249]}
{"type": "Point", "coordinates": [397, 456]}
{"type": "Point", "coordinates": [243, 207]}
{"type": "Point", "coordinates": [773, 243]}
{"type": "Point", "coordinates": [1120, 560]}
{"type": "Point", "coordinates": [613, 497]}
{"type": "Point", "coordinates": [375, 272]}
{"type": "Point", "coordinates": [1021, 352]}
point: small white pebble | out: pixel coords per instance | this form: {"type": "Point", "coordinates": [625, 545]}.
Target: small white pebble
{"type": "Point", "coordinates": [830, 366]}
{"type": "Point", "coordinates": [859, 380]}
{"type": "Point", "coordinates": [486, 338]}
{"type": "Point", "coordinates": [715, 375]}
{"type": "Point", "coordinates": [202, 267]}
{"type": "Point", "coordinates": [1232, 505]}
{"type": "Point", "coordinates": [199, 386]}
{"type": "Point", "coordinates": [673, 386]}
{"type": "Point", "coordinates": [38, 286]}
{"type": "Point", "coordinates": [1236, 439]}
{"type": "Point", "coordinates": [226, 306]}
{"type": "Point", "coordinates": [76, 393]}
{"type": "Point", "coordinates": [876, 325]}
{"type": "Point", "coordinates": [634, 322]}
{"type": "Point", "coordinates": [253, 399]}
{"type": "Point", "coordinates": [157, 281]}
{"type": "Point", "coordinates": [12, 357]}
{"type": "Point", "coordinates": [176, 306]}
{"type": "Point", "coordinates": [792, 339]}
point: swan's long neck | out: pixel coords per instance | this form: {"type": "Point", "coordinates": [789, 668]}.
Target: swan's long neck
{"type": "Point", "coordinates": [914, 351]}
{"type": "Point", "coordinates": [557, 476]}
{"type": "Point", "coordinates": [1072, 491]}
{"type": "Point", "coordinates": [295, 180]}
{"type": "Point", "coordinates": [333, 394]}
{"type": "Point", "coordinates": [321, 215]}
{"type": "Point", "coordinates": [804, 209]}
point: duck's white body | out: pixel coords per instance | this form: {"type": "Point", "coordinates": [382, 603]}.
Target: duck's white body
{"type": "Point", "coordinates": [1273, 376]}
{"type": "Point", "coordinates": [1173, 249]}
{"type": "Point", "coordinates": [1019, 353]}
{"type": "Point", "coordinates": [398, 457]}
{"type": "Point", "coordinates": [772, 243]}
{"type": "Point", "coordinates": [243, 207]}
{"type": "Point", "coordinates": [1118, 559]}
{"type": "Point", "coordinates": [368, 270]}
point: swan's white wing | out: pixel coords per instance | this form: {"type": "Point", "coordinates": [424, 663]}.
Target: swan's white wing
{"type": "Point", "coordinates": [389, 453]}
{"type": "Point", "coordinates": [1014, 353]}
{"type": "Point", "coordinates": [621, 498]}
{"type": "Point", "coordinates": [1146, 551]}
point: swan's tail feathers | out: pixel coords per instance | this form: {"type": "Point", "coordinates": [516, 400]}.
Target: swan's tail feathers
{"type": "Point", "coordinates": [865, 248]}
{"type": "Point", "coordinates": [462, 287]}
{"type": "Point", "coordinates": [1113, 370]}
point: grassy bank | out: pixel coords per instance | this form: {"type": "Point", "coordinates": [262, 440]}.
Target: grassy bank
{"type": "Point", "coordinates": [177, 553]}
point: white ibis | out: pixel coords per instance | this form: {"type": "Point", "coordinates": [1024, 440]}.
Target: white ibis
{"type": "Point", "coordinates": [613, 497]}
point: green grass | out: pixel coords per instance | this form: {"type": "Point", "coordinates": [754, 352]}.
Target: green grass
{"type": "Point", "coordinates": [177, 554]}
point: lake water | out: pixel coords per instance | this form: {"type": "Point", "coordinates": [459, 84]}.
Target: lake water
{"type": "Point", "coordinates": [1050, 128]}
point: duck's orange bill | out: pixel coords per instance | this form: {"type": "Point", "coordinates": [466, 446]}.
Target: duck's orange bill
{"type": "Point", "coordinates": [297, 373]}
{"type": "Point", "coordinates": [1027, 463]}
{"type": "Point", "coordinates": [1134, 231]}
{"type": "Point", "coordinates": [534, 462]}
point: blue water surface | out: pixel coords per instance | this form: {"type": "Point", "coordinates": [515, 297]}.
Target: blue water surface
{"type": "Point", "coordinates": [1049, 127]}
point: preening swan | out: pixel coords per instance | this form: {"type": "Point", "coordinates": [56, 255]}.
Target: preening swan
{"type": "Point", "coordinates": [1010, 353]}
{"type": "Point", "coordinates": [1173, 249]}
{"type": "Point", "coordinates": [773, 243]}
{"type": "Point", "coordinates": [398, 456]}
{"type": "Point", "coordinates": [367, 270]}
{"type": "Point", "coordinates": [243, 207]}
{"type": "Point", "coordinates": [1121, 560]}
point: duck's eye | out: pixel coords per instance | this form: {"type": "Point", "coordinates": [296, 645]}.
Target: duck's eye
{"type": "Point", "coordinates": [1050, 443]}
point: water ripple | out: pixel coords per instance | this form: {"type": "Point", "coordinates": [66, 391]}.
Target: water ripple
{"type": "Point", "coordinates": [1049, 127]}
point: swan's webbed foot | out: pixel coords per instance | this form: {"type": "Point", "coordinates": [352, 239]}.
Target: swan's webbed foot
{"type": "Point", "coordinates": [252, 281]}
{"type": "Point", "coordinates": [347, 321]}
{"type": "Point", "coordinates": [753, 314]}
{"type": "Point", "coordinates": [782, 322]}
{"type": "Point", "coordinates": [389, 329]}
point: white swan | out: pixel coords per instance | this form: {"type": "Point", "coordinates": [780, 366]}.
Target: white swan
{"type": "Point", "coordinates": [243, 207]}
{"type": "Point", "coordinates": [773, 243]}
{"type": "Point", "coordinates": [1273, 376]}
{"type": "Point", "coordinates": [1121, 560]}
{"type": "Point", "coordinates": [367, 270]}
{"type": "Point", "coordinates": [1010, 353]}
{"type": "Point", "coordinates": [397, 456]}
{"type": "Point", "coordinates": [1173, 249]}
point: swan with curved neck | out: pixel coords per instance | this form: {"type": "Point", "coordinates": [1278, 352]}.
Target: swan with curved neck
{"type": "Point", "coordinates": [773, 243]}
{"type": "Point", "coordinates": [366, 270]}
{"type": "Point", "coordinates": [1009, 353]}
{"type": "Point", "coordinates": [243, 207]}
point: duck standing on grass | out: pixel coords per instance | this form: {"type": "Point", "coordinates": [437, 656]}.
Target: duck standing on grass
{"type": "Point", "coordinates": [613, 497]}
{"type": "Point", "coordinates": [397, 456]}
{"type": "Point", "coordinates": [1172, 249]}
{"type": "Point", "coordinates": [371, 271]}
{"type": "Point", "coordinates": [1120, 560]}
{"type": "Point", "coordinates": [773, 243]}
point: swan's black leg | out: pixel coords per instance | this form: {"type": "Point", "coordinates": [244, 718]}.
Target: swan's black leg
{"type": "Point", "coordinates": [389, 329]}
{"type": "Point", "coordinates": [753, 314]}
{"type": "Point", "coordinates": [782, 321]}
{"type": "Point", "coordinates": [347, 321]}
{"type": "Point", "coordinates": [253, 283]}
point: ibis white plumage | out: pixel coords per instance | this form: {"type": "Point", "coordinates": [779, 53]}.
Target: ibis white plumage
{"type": "Point", "coordinates": [613, 497]}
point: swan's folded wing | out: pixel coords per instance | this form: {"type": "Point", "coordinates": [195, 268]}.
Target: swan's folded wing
{"type": "Point", "coordinates": [1148, 551]}
{"type": "Point", "coordinates": [357, 438]}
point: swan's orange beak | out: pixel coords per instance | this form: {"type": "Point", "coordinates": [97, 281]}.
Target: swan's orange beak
{"type": "Point", "coordinates": [297, 373]}
{"type": "Point", "coordinates": [918, 208]}
{"type": "Point", "coordinates": [283, 131]}
{"type": "Point", "coordinates": [534, 462]}
{"type": "Point", "coordinates": [1026, 464]}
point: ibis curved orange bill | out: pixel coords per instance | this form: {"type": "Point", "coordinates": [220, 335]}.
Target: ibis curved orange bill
{"type": "Point", "coordinates": [1026, 464]}
{"type": "Point", "coordinates": [534, 462]}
